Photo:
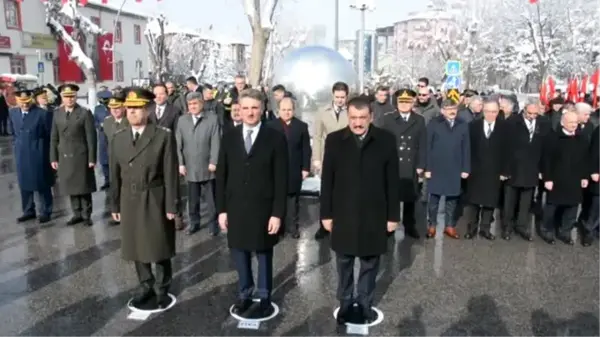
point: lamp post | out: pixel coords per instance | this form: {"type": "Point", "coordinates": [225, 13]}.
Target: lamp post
{"type": "Point", "coordinates": [336, 35]}
{"type": "Point", "coordinates": [362, 6]}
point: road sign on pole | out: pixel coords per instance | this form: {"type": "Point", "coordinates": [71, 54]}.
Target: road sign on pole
{"type": "Point", "coordinates": [40, 67]}
{"type": "Point", "coordinates": [453, 68]}
{"type": "Point", "coordinates": [453, 82]}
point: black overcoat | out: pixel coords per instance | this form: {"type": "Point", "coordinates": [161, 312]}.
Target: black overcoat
{"type": "Point", "coordinates": [594, 161]}
{"type": "Point", "coordinates": [169, 117]}
{"type": "Point", "coordinates": [411, 143]}
{"type": "Point", "coordinates": [251, 188]}
{"type": "Point", "coordinates": [299, 151]}
{"type": "Point", "coordinates": [522, 158]}
{"type": "Point", "coordinates": [483, 184]}
{"type": "Point", "coordinates": [73, 144]}
{"type": "Point", "coordinates": [565, 163]}
{"type": "Point", "coordinates": [359, 190]}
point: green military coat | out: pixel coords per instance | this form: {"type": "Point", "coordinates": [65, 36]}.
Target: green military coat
{"type": "Point", "coordinates": [111, 127]}
{"type": "Point", "coordinates": [144, 187]}
{"type": "Point", "coordinates": [73, 144]}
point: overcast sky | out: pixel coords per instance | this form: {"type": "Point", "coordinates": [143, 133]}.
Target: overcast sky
{"type": "Point", "coordinates": [227, 16]}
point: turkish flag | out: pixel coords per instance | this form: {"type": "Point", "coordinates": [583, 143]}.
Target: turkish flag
{"type": "Point", "coordinates": [533, 1]}
{"type": "Point", "coordinates": [583, 90]}
{"type": "Point", "coordinates": [68, 70]}
{"type": "Point", "coordinates": [105, 57]}
{"type": "Point", "coordinates": [595, 84]}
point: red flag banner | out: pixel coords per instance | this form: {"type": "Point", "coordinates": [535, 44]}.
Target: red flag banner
{"type": "Point", "coordinates": [533, 1]}
{"type": "Point", "coordinates": [595, 83]}
{"type": "Point", "coordinates": [583, 90]}
{"type": "Point", "coordinates": [105, 57]}
{"type": "Point", "coordinates": [68, 71]}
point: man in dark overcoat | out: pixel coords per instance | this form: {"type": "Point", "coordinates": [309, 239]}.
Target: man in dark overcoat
{"type": "Point", "coordinates": [448, 162]}
{"type": "Point", "coordinates": [299, 151]}
{"type": "Point", "coordinates": [483, 186]}
{"type": "Point", "coordinates": [359, 203]}
{"type": "Point", "coordinates": [100, 113]}
{"type": "Point", "coordinates": [73, 150]}
{"type": "Point", "coordinates": [144, 192]}
{"type": "Point", "coordinates": [113, 123]}
{"type": "Point", "coordinates": [522, 166]}
{"type": "Point", "coordinates": [565, 172]}
{"type": "Point", "coordinates": [411, 142]}
{"type": "Point", "coordinates": [591, 222]}
{"type": "Point", "coordinates": [584, 129]}
{"type": "Point", "coordinates": [31, 138]}
{"type": "Point", "coordinates": [252, 180]}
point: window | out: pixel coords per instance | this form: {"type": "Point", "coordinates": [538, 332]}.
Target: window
{"type": "Point", "coordinates": [118, 32]}
{"type": "Point", "coordinates": [137, 34]}
{"type": "Point", "coordinates": [17, 65]}
{"type": "Point", "coordinates": [12, 14]}
{"type": "Point", "coordinates": [95, 20]}
{"type": "Point", "coordinates": [120, 72]}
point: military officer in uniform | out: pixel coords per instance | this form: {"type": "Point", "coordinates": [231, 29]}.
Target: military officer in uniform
{"type": "Point", "coordinates": [144, 191]}
{"type": "Point", "coordinates": [411, 138]}
{"type": "Point", "coordinates": [100, 113]}
{"type": "Point", "coordinates": [73, 153]}
{"type": "Point", "coordinates": [113, 123]}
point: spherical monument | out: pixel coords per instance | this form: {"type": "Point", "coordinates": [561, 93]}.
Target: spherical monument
{"type": "Point", "coordinates": [309, 73]}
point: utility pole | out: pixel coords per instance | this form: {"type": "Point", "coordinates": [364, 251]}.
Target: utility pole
{"type": "Point", "coordinates": [336, 31]}
{"type": "Point", "coordinates": [362, 6]}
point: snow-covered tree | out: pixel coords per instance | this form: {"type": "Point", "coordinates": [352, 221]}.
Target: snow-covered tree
{"type": "Point", "coordinates": [260, 15]}
{"type": "Point", "coordinates": [281, 41]}
{"type": "Point", "coordinates": [58, 14]}
{"type": "Point", "coordinates": [155, 36]}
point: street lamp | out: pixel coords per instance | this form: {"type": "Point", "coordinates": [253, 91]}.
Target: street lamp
{"type": "Point", "coordinates": [362, 6]}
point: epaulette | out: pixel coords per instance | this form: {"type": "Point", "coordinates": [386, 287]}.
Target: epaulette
{"type": "Point", "coordinates": [163, 128]}
{"type": "Point", "coordinates": [389, 113]}
{"type": "Point", "coordinates": [121, 130]}
{"type": "Point", "coordinates": [107, 117]}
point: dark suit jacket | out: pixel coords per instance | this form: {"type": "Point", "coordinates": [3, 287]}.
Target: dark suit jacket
{"type": "Point", "coordinates": [228, 125]}
{"type": "Point", "coordinates": [252, 187]}
{"type": "Point", "coordinates": [169, 117]}
{"type": "Point", "coordinates": [299, 151]}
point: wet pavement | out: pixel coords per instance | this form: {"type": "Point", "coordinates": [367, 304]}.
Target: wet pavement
{"type": "Point", "coordinates": [57, 280]}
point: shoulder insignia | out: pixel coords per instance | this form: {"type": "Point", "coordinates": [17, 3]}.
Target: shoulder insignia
{"type": "Point", "coordinates": [163, 128]}
{"type": "Point", "coordinates": [120, 130]}
{"type": "Point", "coordinates": [388, 113]}
{"type": "Point", "coordinates": [107, 117]}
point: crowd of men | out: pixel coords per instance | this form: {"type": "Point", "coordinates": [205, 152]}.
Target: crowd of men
{"type": "Point", "coordinates": [244, 160]}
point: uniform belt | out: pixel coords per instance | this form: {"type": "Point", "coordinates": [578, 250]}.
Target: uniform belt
{"type": "Point", "coordinates": [139, 187]}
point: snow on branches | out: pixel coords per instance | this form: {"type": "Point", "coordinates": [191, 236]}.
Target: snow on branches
{"type": "Point", "coordinates": [180, 52]}
{"type": "Point", "coordinates": [59, 13]}
{"type": "Point", "coordinates": [280, 42]}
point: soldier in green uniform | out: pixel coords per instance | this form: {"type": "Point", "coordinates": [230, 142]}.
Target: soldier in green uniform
{"type": "Point", "coordinates": [144, 191]}
{"type": "Point", "coordinates": [113, 123]}
{"type": "Point", "coordinates": [73, 150]}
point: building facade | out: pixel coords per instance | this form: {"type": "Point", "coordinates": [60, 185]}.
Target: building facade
{"type": "Point", "coordinates": [28, 47]}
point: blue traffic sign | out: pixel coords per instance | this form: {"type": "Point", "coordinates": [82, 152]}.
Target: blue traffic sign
{"type": "Point", "coordinates": [453, 82]}
{"type": "Point", "coordinates": [453, 68]}
{"type": "Point", "coordinates": [40, 67]}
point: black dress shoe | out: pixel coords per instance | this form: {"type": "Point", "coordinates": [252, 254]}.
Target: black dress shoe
{"type": "Point", "coordinates": [344, 313]}
{"type": "Point", "coordinates": [367, 315]}
{"type": "Point", "coordinates": [104, 187]}
{"type": "Point", "coordinates": [241, 307]}
{"type": "Point", "coordinates": [566, 240]}
{"type": "Point", "coordinates": [526, 236]}
{"type": "Point", "coordinates": [143, 296]}
{"type": "Point", "coordinates": [113, 222]}
{"type": "Point", "coordinates": [506, 235]}
{"type": "Point", "coordinates": [487, 235]}
{"type": "Point", "coordinates": [26, 217]}
{"type": "Point", "coordinates": [265, 307]}
{"type": "Point", "coordinates": [192, 229]}
{"type": "Point", "coordinates": [87, 222]}
{"type": "Point", "coordinates": [163, 301]}
{"type": "Point", "coordinates": [74, 220]}
{"type": "Point", "coordinates": [44, 219]}
{"type": "Point", "coordinates": [548, 238]}
{"type": "Point", "coordinates": [471, 235]}
{"type": "Point", "coordinates": [411, 232]}
{"type": "Point", "coordinates": [321, 233]}
{"type": "Point", "coordinates": [587, 240]}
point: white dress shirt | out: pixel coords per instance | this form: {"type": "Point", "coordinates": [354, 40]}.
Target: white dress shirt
{"type": "Point", "coordinates": [139, 130]}
{"type": "Point", "coordinates": [488, 126]}
{"type": "Point", "coordinates": [568, 133]}
{"type": "Point", "coordinates": [255, 130]}
{"type": "Point", "coordinates": [405, 116]}
{"type": "Point", "coordinates": [160, 111]}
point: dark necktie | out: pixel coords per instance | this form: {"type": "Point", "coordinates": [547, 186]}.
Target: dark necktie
{"type": "Point", "coordinates": [136, 136]}
{"type": "Point", "coordinates": [337, 113]}
{"type": "Point", "coordinates": [68, 114]}
{"type": "Point", "coordinates": [24, 114]}
{"type": "Point", "coordinates": [488, 133]}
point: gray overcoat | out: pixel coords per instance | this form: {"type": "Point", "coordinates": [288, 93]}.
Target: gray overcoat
{"type": "Point", "coordinates": [198, 145]}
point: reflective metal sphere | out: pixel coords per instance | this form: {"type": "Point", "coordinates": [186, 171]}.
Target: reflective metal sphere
{"type": "Point", "coordinates": [309, 73]}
